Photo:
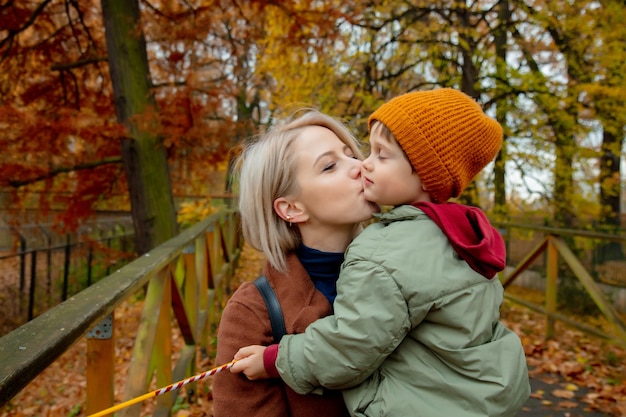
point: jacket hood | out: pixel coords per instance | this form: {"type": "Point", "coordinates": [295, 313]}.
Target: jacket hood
{"type": "Point", "coordinates": [471, 234]}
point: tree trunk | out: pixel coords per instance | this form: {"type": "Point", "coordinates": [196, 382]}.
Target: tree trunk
{"type": "Point", "coordinates": [246, 127]}
{"type": "Point", "coordinates": [145, 160]}
{"type": "Point", "coordinates": [563, 197]}
{"type": "Point", "coordinates": [499, 170]}
{"type": "Point", "coordinates": [610, 186]}
{"type": "Point", "coordinates": [470, 196]}
{"type": "Point", "coordinates": [610, 193]}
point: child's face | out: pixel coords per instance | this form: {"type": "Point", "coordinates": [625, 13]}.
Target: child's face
{"type": "Point", "coordinates": [388, 177]}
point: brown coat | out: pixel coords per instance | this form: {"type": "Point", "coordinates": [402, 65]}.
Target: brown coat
{"type": "Point", "coordinates": [244, 322]}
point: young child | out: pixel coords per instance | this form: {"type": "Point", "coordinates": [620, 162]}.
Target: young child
{"type": "Point", "coordinates": [415, 329]}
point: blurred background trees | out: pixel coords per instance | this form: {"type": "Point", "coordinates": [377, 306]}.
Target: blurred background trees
{"type": "Point", "coordinates": [86, 126]}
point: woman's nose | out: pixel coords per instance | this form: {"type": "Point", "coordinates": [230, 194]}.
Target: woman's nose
{"type": "Point", "coordinates": [355, 170]}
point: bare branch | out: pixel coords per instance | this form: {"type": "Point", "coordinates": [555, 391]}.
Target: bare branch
{"type": "Point", "coordinates": [62, 170]}
{"type": "Point", "coordinates": [79, 63]}
{"type": "Point", "coordinates": [12, 33]}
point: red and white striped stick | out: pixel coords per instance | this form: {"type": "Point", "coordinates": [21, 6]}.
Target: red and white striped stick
{"type": "Point", "coordinates": [163, 390]}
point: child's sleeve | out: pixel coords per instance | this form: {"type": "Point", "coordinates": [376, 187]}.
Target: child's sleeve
{"type": "Point", "coordinates": [340, 351]}
{"type": "Point", "coordinates": [269, 360]}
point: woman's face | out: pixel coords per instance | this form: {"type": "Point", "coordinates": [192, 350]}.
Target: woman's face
{"type": "Point", "coordinates": [329, 179]}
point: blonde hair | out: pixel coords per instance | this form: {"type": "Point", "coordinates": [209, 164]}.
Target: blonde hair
{"type": "Point", "coordinates": [267, 171]}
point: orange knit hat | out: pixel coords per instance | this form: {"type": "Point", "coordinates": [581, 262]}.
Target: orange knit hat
{"type": "Point", "coordinates": [445, 134]}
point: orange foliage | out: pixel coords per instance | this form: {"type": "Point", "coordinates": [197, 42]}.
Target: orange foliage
{"type": "Point", "coordinates": [62, 139]}
{"type": "Point", "coordinates": [222, 69]}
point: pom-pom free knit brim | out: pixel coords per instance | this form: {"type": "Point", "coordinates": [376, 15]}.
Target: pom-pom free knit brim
{"type": "Point", "coordinates": [446, 136]}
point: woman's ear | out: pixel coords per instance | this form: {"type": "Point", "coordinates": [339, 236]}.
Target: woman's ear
{"type": "Point", "coordinates": [282, 207]}
{"type": "Point", "coordinates": [290, 211]}
{"type": "Point", "coordinates": [297, 213]}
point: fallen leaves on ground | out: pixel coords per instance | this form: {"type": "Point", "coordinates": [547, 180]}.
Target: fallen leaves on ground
{"type": "Point", "coordinates": [571, 360]}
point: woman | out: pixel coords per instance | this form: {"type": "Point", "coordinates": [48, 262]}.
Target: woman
{"type": "Point", "coordinates": [301, 201]}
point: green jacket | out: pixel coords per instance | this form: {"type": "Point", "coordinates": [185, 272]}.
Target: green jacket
{"type": "Point", "coordinates": [415, 331]}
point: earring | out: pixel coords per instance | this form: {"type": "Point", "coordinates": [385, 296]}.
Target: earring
{"type": "Point", "coordinates": [289, 220]}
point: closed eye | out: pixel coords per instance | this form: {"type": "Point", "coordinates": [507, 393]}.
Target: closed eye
{"type": "Point", "coordinates": [378, 154]}
{"type": "Point", "coordinates": [329, 167]}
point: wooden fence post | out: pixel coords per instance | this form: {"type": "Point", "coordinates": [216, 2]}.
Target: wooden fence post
{"type": "Point", "coordinates": [552, 270]}
{"type": "Point", "coordinates": [100, 366]}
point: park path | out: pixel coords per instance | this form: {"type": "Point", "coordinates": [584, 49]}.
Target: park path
{"type": "Point", "coordinates": [544, 403]}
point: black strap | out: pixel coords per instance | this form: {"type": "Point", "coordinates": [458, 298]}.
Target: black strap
{"type": "Point", "coordinates": [273, 307]}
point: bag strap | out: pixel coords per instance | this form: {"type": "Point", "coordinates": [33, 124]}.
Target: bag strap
{"type": "Point", "coordinates": [273, 307]}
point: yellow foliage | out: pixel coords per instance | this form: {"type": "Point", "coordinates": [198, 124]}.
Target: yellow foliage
{"type": "Point", "coordinates": [303, 70]}
{"type": "Point", "coordinates": [192, 212]}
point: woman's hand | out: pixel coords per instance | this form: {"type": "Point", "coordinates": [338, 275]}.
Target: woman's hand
{"type": "Point", "coordinates": [250, 362]}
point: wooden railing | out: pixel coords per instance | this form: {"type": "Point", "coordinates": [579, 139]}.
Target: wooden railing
{"type": "Point", "coordinates": [184, 281]}
{"type": "Point", "coordinates": [552, 245]}
{"type": "Point", "coordinates": [184, 278]}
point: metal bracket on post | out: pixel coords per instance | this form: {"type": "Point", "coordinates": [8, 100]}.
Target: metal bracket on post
{"type": "Point", "coordinates": [189, 249]}
{"type": "Point", "coordinates": [102, 330]}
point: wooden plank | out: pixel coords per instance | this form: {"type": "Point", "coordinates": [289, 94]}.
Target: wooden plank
{"type": "Point", "coordinates": [552, 269]}
{"type": "Point", "coordinates": [210, 237]}
{"type": "Point", "coordinates": [562, 232]}
{"type": "Point", "coordinates": [217, 260]}
{"type": "Point", "coordinates": [202, 274]}
{"type": "Point", "coordinates": [525, 263]}
{"type": "Point", "coordinates": [28, 350]}
{"type": "Point", "coordinates": [101, 369]}
{"type": "Point", "coordinates": [139, 371]}
{"type": "Point", "coordinates": [202, 263]}
{"type": "Point", "coordinates": [162, 349]}
{"type": "Point", "coordinates": [180, 312]}
{"type": "Point", "coordinates": [225, 252]}
{"type": "Point", "coordinates": [558, 316]}
{"type": "Point", "coordinates": [191, 295]}
{"type": "Point", "coordinates": [593, 289]}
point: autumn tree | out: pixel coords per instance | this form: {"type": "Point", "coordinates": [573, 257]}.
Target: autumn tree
{"type": "Point", "coordinates": [60, 141]}
{"type": "Point", "coordinates": [400, 47]}
{"type": "Point", "coordinates": [501, 35]}
{"type": "Point", "coordinates": [577, 44]}
{"type": "Point", "coordinates": [212, 68]}
{"type": "Point", "coordinates": [219, 71]}
{"type": "Point", "coordinates": [605, 94]}
{"type": "Point", "coordinates": [144, 156]}
{"type": "Point", "coordinates": [69, 101]}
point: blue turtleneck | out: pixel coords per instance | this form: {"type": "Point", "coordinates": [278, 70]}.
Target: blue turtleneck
{"type": "Point", "coordinates": [323, 268]}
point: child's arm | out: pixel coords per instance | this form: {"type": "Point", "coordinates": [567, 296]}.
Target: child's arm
{"type": "Point", "coordinates": [340, 351]}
